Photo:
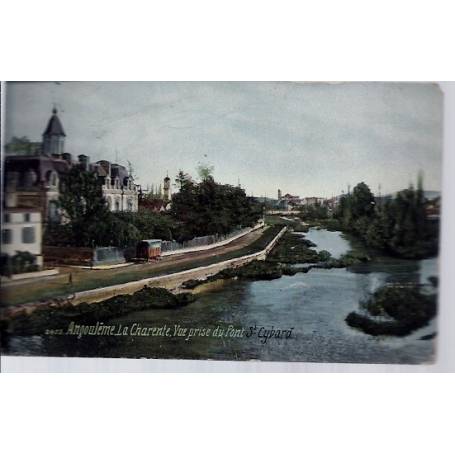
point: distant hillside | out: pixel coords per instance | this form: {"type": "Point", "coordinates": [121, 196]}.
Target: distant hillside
{"type": "Point", "coordinates": [263, 199]}
{"type": "Point", "coordinates": [430, 194]}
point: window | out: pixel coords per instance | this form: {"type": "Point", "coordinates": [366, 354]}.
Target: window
{"type": "Point", "coordinates": [28, 235]}
{"type": "Point", "coordinates": [7, 236]}
{"type": "Point", "coordinates": [52, 178]}
{"type": "Point", "coordinates": [53, 212]}
{"type": "Point", "coordinates": [26, 217]}
{"type": "Point", "coordinates": [130, 205]}
{"type": "Point", "coordinates": [30, 178]}
{"type": "Point", "coordinates": [117, 205]}
{"type": "Point", "coordinates": [6, 218]}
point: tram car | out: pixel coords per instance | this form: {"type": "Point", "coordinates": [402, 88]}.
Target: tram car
{"type": "Point", "coordinates": [147, 250]}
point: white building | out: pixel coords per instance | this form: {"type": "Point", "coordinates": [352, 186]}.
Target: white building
{"type": "Point", "coordinates": [119, 189]}
{"type": "Point", "coordinates": [21, 231]}
{"type": "Point", "coordinates": [312, 201]}
{"type": "Point", "coordinates": [33, 181]}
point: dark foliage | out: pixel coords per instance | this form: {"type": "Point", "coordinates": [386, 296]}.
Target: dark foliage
{"type": "Point", "coordinates": [405, 309]}
{"type": "Point", "coordinates": [314, 212]}
{"type": "Point", "coordinates": [398, 226]}
{"type": "Point", "coordinates": [208, 208]}
{"type": "Point", "coordinates": [88, 220]}
{"type": "Point", "coordinates": [21, 262]}
{"type": "Point", "coordinates": [58, 316]}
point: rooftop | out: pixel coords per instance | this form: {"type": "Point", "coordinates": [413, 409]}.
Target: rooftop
{"type": "Point", "coordinates": [54, 126]}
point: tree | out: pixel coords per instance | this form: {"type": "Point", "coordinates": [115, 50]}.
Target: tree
{"type": "Point", "coordinates": [81, 196]}
{"type": "Point", "coordinates": [314, 212]}
{"type": "Point", "coordinates": [398, 226]}
{"type": "Point", "coordinates": [19, 145]}
{"type": "Point", "coordinates": [208, 207]}
{"type": "Point", "coordinates": [205, 171]}
{"type": "Point", "coordinates": [89, 221]}
{"type": "Point", "coordinates": [362, 201]}
{"type": "Point", "coordinates": [150, 225]}
{"type": "Point", "coordinates": [182, 179]}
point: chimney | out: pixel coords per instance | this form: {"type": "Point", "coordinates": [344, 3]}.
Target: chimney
{"type": "Point", "coordinates": [67, 157]}
{"type": "Point", "coordinates": [84, 162]}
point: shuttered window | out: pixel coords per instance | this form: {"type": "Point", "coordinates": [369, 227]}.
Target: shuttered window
{"type": "Point", "coordinates": [28, 235]}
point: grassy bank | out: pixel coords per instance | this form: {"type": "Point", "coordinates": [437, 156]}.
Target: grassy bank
{"type": "Point", "coordinates": [255, 271]}
{"type": "Point", "coordinates": [286, 258]}
{"type": "Point", "coordinates": [293, 249]}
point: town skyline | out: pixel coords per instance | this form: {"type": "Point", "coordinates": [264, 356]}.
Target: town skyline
{"type": "Point", "coordinates": [295, 137]}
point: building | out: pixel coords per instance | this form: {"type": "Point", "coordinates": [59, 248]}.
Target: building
{"type": "Point", "coordinates": [167, 189]}
{"type": "Point", "coordinates": [154, 205]}
{"type": "Point", "coordinates": [54, 136]}
{"type": "Point", "coordinates": [291, 198]}
{"type": "Point", "coordinates": [312, 201]}
{"type": "Point", "coordinates": [32, 181]}
{"type": "Point", "coordinates": [332, 203]}
{"type": "Point", "coordinates": [292, 202]}
{"type": "Point", "coordinates": [284, 205]}
{"type": "Point", "coordinates": [433, 208]}
{"type": "Point", "coordinates": [160, 201]}
{"type": "Point", "coordinates": [119, 189]}
{"type": "Point", "coordinates": [21, 232]}
{"type": "Point", "coordinates": [287, 202]}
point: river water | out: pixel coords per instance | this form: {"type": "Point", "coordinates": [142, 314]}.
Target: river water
{"type": "Point", "coordinates": [314, 305]}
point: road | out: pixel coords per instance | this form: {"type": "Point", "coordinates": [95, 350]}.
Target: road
{"type": "Point", "coordinates": [21, 291]}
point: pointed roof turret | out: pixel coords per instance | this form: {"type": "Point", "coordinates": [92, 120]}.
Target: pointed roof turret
{"type": "Point", "coordinates": [54, 126]}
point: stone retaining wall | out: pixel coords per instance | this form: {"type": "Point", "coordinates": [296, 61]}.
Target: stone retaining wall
{"type": "Point", "coordinates": [215, 244]}
{"type": "Point", "coordinates": [174, 280]}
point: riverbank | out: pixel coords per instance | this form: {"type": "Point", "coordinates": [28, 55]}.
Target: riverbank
{"type": "Point", "coordinates": [315, 304]}
{"type": "Point", "coordinates": [98, 301]}
{"type": "Point", "coordinates": [56, 316]}
{"type": "Point", "coordinates": [292, 254]}
{"type": "Point", "coordinates": [254, 271]}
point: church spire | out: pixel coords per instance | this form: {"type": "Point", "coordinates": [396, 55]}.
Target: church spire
{"type": "Point", "coordinates": [54, 135]}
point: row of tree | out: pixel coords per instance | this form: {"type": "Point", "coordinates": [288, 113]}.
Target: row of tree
{"type": "Point", "coordinates": [209, 207]}
{"type": "Point", "coordinates": [316, 211]}
{"type": "Point", "coordinates": [397, 225]}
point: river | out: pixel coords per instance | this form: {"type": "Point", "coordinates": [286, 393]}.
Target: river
{"type": "Point", "coordinates": [314, 305]}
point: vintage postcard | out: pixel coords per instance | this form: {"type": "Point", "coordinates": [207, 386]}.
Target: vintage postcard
{"type": "Point", "coordinates": [269, 221]}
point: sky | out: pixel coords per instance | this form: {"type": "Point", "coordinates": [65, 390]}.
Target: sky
{"type": "Point", "coordinates": [308, 139]}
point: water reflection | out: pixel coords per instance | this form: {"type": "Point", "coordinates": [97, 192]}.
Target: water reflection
{"type": "Point", "coordinates": [333, 242]}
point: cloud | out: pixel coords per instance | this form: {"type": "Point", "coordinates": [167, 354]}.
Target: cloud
{"type": "Point", "coordinates": [309, 139]}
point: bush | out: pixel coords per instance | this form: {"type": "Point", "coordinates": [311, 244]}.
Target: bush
{"type": "Point", "coordinates": [21, 262]}
{"type": "Point", "coordinates": [324, 255]}
{"type": "Point", "coordinates": [407, 308]}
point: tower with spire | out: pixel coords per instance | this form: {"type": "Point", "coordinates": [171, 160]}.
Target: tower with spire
{"type": "Point", "coordinates": [54, 136]}
{"type": "Point", "coordinates": [167, 188]}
